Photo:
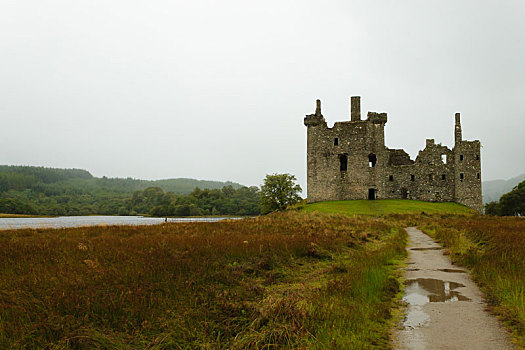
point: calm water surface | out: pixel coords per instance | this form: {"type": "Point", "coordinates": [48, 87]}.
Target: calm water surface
{"type": "Point", "coordinates": [75, 221]}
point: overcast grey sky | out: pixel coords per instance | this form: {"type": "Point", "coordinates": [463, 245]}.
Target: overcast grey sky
{"type": "Point", "coordinates": [218, 89]}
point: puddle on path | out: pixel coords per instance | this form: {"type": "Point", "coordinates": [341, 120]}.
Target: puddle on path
{"type": "Point", "coordinates": [452, 270]}
{"type": "Point", "coordinates": [427, 248]}
{"type": "Point", "coordinates": [432, 290]}
{"type": "Point", "coordinates": [421, 291]}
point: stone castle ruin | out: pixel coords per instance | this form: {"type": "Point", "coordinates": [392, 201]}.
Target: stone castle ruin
{"type": "Point", "coordinates": [350, 161]}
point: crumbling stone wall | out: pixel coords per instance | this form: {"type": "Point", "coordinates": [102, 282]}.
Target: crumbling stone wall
{"type": "Point", "coordinates": [350, 161]}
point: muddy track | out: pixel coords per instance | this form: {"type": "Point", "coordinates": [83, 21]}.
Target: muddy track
{"type": "Point", "coordinates": [445, 309]}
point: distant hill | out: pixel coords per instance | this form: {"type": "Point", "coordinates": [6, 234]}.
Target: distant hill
{"type": "Point", "coordinates": [493, 190]}
{"type": "Point", "coordinates": [185, 185]}
{"type": "Point", "coordinates": [51, 191]}
{"type": "Point", "coordinates": [13, 177]}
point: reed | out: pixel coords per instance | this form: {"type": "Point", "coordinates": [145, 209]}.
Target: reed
{"type": "Point", "coordinates": [290, 279]}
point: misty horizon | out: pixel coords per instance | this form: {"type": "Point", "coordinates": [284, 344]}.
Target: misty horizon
{"type": "Point", "coordinates": [219, 91]}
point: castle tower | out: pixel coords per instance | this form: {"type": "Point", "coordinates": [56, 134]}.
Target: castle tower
{"type": "Point", "coordinates": [346, 161]}
{"type": "Point", "coordinates": [467, 170]}
{"type": "Point", "coordinates": [315, 124]}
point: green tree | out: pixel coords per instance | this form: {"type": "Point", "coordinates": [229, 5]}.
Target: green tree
{"type": "Point", "coordinates": [181, 210]}
{"type": "Point", "coordinates": [278, 192]}
{"type": "Point", "coordinates": [513, 203]}
{"type": "Point", "coordinates": [492, 208]}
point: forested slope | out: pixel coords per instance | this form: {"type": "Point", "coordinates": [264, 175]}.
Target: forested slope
{"type": "Point", "coordinates": [51, 191]}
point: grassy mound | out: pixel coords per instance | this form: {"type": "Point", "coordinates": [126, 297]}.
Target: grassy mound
{"type": "Point", "coordinates": [387, 206]}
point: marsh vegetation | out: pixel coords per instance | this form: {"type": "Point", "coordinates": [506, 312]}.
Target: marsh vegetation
{"type": "Point", "coordinates": [287, 279]}
{"type": "Point", "coordinates": [299, 278]}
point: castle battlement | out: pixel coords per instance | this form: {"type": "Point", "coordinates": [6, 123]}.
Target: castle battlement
{"type": "Point", "coordinates": [350, 161]}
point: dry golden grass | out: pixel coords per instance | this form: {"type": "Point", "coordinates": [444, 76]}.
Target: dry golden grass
{"type": "Point", "coordinates": [285, 280]}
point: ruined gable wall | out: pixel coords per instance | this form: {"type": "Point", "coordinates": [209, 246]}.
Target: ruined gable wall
{"type": "Point", "coordinates": [433, 178]}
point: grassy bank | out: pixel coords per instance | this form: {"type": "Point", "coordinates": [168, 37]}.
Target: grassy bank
{"type": "Point", "coordinates": [494, 249]}
{"type": "Point", "coordinates": [285, 280]}
{"type": "Point", "coordinates": [386, 206]}
{"type": "Point", "coordinates": [9, 216]}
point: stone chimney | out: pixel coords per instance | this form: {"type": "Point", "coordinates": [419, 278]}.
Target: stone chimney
{"type": "Point", "coordinates": [457, 129]}
{"type": "Point", "coordinates": [318, 107]}
{"type": "Point", "coordinates": [355, 108]}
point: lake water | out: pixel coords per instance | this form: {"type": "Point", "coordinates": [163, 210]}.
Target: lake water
{"type": "Point", "coordinates": [76, 221]}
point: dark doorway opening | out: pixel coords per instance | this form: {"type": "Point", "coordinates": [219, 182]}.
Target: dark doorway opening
{"type": "Point", "coordinates": [372, 159]}
{"type": "Point", "coordinates": [404, 193]}
{"type": "Point", "coordinates": [371, 193]}
{"type": "Point", "coordinates": [343, 162]}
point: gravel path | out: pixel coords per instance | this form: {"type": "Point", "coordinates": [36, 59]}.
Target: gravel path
{"type": "Point", "coordinates": [445, 308]}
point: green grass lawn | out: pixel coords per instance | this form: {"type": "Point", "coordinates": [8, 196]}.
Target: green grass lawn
{"type": "Point", "coordinates": [387, 206]}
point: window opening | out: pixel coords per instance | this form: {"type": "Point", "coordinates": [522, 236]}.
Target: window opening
{"type": "Point", "coordinates": [371, 193]}
{"type": "Point", "coordinates": [443, 177]}
{"type": "Point", "coordinates": [336, 141]}
{"type": "Point", "coordinates": [391, 178]}
{"type": "Point", "coordinates": [343, 162]}
{"type": "Point", "coordinates": [479, 176]}
{"type": "Point", "coordinates": [444, 158]}
{"type": "Point", "coordinates": [372, 159]}
{"type": "Point", "coordinates": [461, 176]}
{"type": "Point", "coordinates": [460, 157]}
{"type": "Point", "coordinates": [477, 156]}
{"type": "Point", "coordinates": [412, 178]}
